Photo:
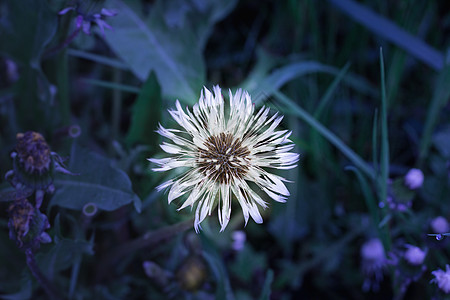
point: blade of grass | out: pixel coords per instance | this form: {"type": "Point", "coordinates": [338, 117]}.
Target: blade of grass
{"type": "Point", "coordinates": [279, 77]}
{"type": "Point", "coordinates": [331, 137]}
{"type": "Point", "coordinates": [384, 153]}
{"type": "Point", "coordinates": [330, 91]}
{"type": "Point", "coordinates": [375, 142]}
{"type": "Point", "coordinates": [110, 62]}
{"type": "Point", "coordinates": [372, 206]}
{"type": "Point", "coordinates": [388, 30]}
{"type": "Point", "coordinates": [440, 97]}
{"type": "Point", "coordinates": [112, 85]}
{"type": "Point", "coordinates": [265, 294]}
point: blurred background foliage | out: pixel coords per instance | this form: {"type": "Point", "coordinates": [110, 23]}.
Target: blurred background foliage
{"type": "Point", "coordinates": [360, 117]}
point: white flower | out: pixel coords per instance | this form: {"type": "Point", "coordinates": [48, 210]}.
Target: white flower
{"type": "Point", "coordinates": [414, 179]}
{"type": "Point", "coordinates": [223, 149]}
{"type": "Point", "coordinates": [442, 279]}
{"type": "Point", "coordinates": [414, 255]}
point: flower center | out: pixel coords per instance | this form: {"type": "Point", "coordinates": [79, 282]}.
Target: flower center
{"type": "Point", "coordinates": [223, 158]}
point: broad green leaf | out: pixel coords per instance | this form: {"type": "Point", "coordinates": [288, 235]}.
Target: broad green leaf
{"type": "Point", "coordinates": [26, 28]}
{"type": "Point", "coordinates": [171, 52]}
{"type": "Point", "coordinates": [29, 21]}
{"type": "Point", "coordinates": [146, 113]}
{"type": "Point", "coordinates": [197, 16]}
{"type": "Point", "coordinates": [98, 182]}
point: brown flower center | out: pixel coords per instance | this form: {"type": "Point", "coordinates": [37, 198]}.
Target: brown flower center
{"type": "Point", "coordinates": [223, 158]}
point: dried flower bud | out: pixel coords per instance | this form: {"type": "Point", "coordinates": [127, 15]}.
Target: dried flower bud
{"type": "Point", "coordinates": [34, 165]}
{"type": "Point", "coordinates": [27, 224]}
{"type": "Point", "coordinates": [192, 274]}
{"type": "Point", "coordinates": [33, 153]}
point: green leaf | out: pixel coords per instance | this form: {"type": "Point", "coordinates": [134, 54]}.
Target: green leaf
{"type": "Point", "coordinates": [32, 23]}
{"type": "Point", "coordinates": [63, 255]}
{"type": "Point", "coordinates": [172, 53]}
{"type": "Point", "coordinates": [441, 141]}
{"type": "Point", "coordinates": [441, 97]}
{"type": "Point", "coordinates": [24, 293]}
{"type": "Point", "coordinates": [98, 182]}
{"type": "Point", "coordinates": [216, 265]}
{"type": "Point", "coordinates": [265, 294]}
{"type": "Point", "coordinates": [145, 114]}
{"type": "Point", "coordinates": [186, 15]}
{"type": "Point", "coordinates": [26, 29]}
{"type": "Point", "coordinates": [246, 263]}
{"type": "Point", "coordinates": [390, 31]}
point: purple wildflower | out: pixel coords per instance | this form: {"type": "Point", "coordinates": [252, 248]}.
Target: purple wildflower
{"type": "Point", "coordinates": [414, 179]}
{"type": "Point", "coordinates": [414, 255]}
{"type": "Point", "coordinates": [373, 264]}
{"type": "Point", "coordinates": [442, 279]}
{"type": "Point", "coordinates": [239, 238]}
{"type": "Point", "coordinates": [84, 21]}
{"type": "Point", "coordinates": [439, 225]}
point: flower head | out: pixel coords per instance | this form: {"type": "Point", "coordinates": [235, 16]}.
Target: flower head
{"type": "Point", "coordinates": [414, 179]}
{"type": "Point", "coordinates": [373, 263]}
{"type": "Point", "coordinates": [27, 224]}
{"type": "Point", "coordinates": [34, 165]}
{"type": "Point", "coordinates": [33, 152]}
{"type": "Point", "coordinates": [414, 255]}
{"type": "Point", "coordinates": [224, 150]}
{"type": "Point", "coordinates": [442, 279]}
{"type": "Point", "coordinates": [85, 20]}
{"type": "Point", "coordinates": [239, 238]}
{"type": "Point", "coordinates": [439, 225]}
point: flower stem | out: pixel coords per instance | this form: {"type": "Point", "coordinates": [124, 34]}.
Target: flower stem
{"type": "Point", "coordinates": [63, 45]}
{"type": "Point", "coordinates": [43, 281]}
{"type": "Point", "coordinates": [148, 239]}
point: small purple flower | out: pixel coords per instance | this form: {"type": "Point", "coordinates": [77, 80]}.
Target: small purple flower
{"type": "Point", "coordinates": [439, 225]}
{"type": "Point", "coordinates": [239, 238]}
{"type": "Point", "coordinates": [373, 263]}
{"type": "Point", "coordinates": [442, 279]}
{"type": "Point", "coordinates": [84, 21]}
{"type": "Point", "coordinates": [414, 179]}
{"type": "Point", "coordinates": [414, 255]}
